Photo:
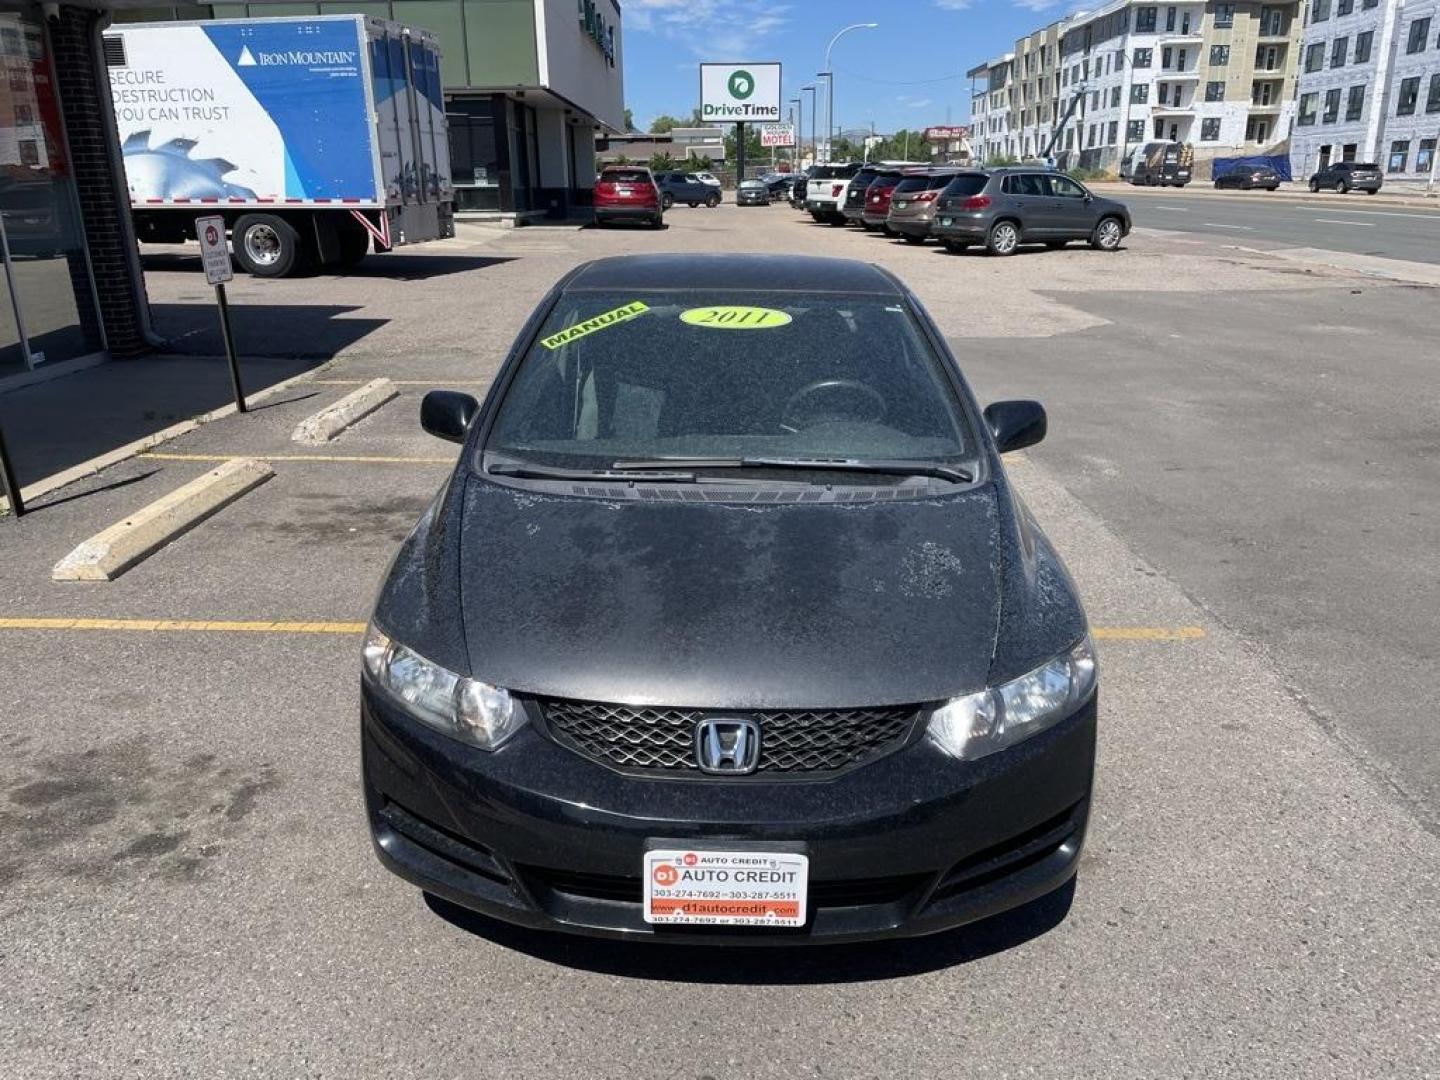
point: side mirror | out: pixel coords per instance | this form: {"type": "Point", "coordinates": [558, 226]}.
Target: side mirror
{"type": "Point", "coordinates": [446, 414]}
{"type": "Point", "coordinates": [1016, 424]}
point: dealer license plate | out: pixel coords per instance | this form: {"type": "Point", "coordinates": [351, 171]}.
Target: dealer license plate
{"type": "Point", "coordinates": [725, 888]}
{"type": "Point", "coordinates": [945, 220]}
{"type": "Point", "coordinates": [901, 205]}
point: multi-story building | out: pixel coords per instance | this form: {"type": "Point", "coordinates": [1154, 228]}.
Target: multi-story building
{"type": "Point", "coordinates": [990, 100]}
{"type": "Point", "coordinates": [1217, 75]}
{"type": "Point", "coordinates": [1369, 88]}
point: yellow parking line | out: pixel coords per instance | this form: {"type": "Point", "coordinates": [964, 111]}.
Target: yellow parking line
{"type": "Point", "coordinates": [369, 459]}
{"type": "Point", "coordinates": [282, 626]}
{"type": "Point", "coordinates": [192, 626]}
{"type": "Point", "coordinates": [1147, 633]}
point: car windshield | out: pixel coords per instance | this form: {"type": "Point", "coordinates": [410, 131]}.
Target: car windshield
{"type": "Point", "coordinates": [625, 176]}
{"type": "Point", "coordinates": [681, 374]}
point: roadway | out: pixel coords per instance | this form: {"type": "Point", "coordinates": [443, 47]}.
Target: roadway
{"type": "Point", "coordinates": [1351, 223]}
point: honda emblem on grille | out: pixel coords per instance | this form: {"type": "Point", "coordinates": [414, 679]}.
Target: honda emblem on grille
{"type": "Point", "coordinates": [727, 746]}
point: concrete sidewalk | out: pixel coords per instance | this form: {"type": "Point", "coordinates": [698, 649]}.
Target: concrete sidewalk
{"type": "Point", "coordinates": [1117, 189]}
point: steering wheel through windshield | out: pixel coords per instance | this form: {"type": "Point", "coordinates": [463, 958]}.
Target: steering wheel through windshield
{"type": "Point", "coordinates": [829, 400]}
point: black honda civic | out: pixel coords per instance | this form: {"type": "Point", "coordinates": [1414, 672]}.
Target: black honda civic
{"type": "Point", "coordinates": [728, 625]}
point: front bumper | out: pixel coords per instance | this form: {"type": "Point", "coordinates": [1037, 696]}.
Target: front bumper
{"type": "Point", "coordinates": [912, 843]}
{"type": "Point", "coordinates": [747, 198]}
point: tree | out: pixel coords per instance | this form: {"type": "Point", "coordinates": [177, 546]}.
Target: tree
{"type": "Point", "coordinates": [902, 146]}
{"type": "Point", "coordinates": [664, 124]}
{"type": "Point", "coordinates": [754, 152]}
{"type": "Point", "coordinates": [630, 121]}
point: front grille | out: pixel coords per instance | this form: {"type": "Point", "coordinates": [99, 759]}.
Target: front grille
{"type": "Point", "coordinates": [792, 743]}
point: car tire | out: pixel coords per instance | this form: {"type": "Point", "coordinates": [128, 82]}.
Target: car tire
{"type": "Point", "coordinates": [955, 247]}
{"type": "Point", "coordinates": [1372, 191]}
{"type": "Point", "coordinates": [1342, 188]}
{"type": "Point", "coordinates": [266, 245]}
{"type": "Point", "coordinates": [1314, 185]}
{"type": "Point", "coordinates": [666, 201]}
{"type": "Point", "coordinates": [1003, 238]}
{"type": "Point", "coordinates": [1109, 231]}
{"type": "Point", "coordinates": [712, 201]}
{"type": "Point", "coordinates": [658, 221]}
{"type": "Point", "coordinates": [817, 217]}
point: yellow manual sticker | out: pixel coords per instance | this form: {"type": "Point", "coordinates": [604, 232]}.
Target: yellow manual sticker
{"type": "Point", "coordinates": [598, 322]}
{"type": "Point", "coordinates": [736, 318]}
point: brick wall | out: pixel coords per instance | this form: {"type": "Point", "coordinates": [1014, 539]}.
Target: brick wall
{"type": "Point", "coordinates": [103, 202]}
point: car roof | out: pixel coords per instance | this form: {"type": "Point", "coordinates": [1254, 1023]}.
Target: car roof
{"type": "Point", "coordinates": [751, 273]}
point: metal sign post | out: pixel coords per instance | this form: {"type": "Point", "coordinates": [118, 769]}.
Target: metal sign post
{"type": "Point", "coordinates": [8, 481]}
{"type": "Point", "coordinates": [210, 231]}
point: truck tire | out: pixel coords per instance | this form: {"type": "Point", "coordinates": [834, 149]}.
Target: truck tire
{"type": "Point", "coordinates": [265, 245]}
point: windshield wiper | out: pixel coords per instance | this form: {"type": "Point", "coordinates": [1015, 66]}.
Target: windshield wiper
{"type": "Point", "coordinates": [953, 473]}
{"type": "Point", "coordinates": [532, 471]}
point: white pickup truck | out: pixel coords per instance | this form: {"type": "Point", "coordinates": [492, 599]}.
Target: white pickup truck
{"type": "Point", "coordinates": [825, 194]}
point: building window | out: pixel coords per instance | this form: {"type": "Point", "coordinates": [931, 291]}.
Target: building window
{"type": "Point", "coordinates": [1332, 106]}
{"type": "Point", "coordinates": [1425, 156]}
{"type": "Point", "coordinates": [1261, 93]}
{"type": "Point", "coordinates": [1320, 11]}
{"type": "Point", "coordinates": [1272, 22]}
{"type": "Point", "coordinates": [1315, 56]}
{"type": "Point", "coordinates": [1215, 91]}
{"type": "Point", "coordinates": [1344, 7]}
{"type": "Point", "coordinates": [1399, 153]}
{"type": "Point", "coordinates": [1210, 129]}
{"type": "Point", "coordinates": [1167, 56]}
{"type": "Point", "coordinates": [1165, 94]}
{"type": "Point", "coordinates": [1419, 35]}
{"type": "Point", "coordinates": [1142, 58]}
{"type": "Point", "coordinates": [1307, 109]}
{"type": "Point", "coordinates": [1224, 15]}
{"type": "Point", "coordinates": [1169, 20]}
{"type": "Point", "coordinates": [1114, 133]}
{"type": "Point", "coordinates": [1145, 20]}
{"type": "Point", "coordinates": [1432, 101]}
{"type": "Point", "coordinates": [1409, 95]}
{"type": "Point", "coordinates": [1094, 100]}
{"type": "Point", "coordinates": [1135, 131]}
{"type": "Point", "coordinates": [1139, 93]}
{"type": "Point", "coordinates": [1257, 129]}
{"type": "Point", "coordinates": [1338, 48]}
{"type": "Point", "coordinates": [1267, 58]}
{"type": "Point", "coordinates": [1362, 46]}
{"type": "Point", "coordinates": [1115, 97]}
{"type": "Point", "coordinates": [1219, 55]}
{"type": "Point", "coordinates": [1119, 59]}
{"type": "Point", "coordinates": [1355, 103]}
{"type": "Point", "coordinates": [1366, 5]}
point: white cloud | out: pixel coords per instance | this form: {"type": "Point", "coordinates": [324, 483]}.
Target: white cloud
{"type": "Point", "coordinates": [952, 5]}
{"type": "Point", "coordinates": [1036, 5]}
{"type": "Point", "coordinates": [713, 29]}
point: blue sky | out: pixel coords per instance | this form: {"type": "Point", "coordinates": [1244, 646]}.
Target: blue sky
{"type": "Point", "coordinates": [907, 73]}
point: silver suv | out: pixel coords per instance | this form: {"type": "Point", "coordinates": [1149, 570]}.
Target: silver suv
{"type": "Point", "coordinates": [1004, 208]}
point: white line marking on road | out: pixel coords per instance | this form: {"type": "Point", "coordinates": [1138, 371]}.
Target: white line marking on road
{"type": "Point", "coordinates": [1342, 221]}
{"type": "Point", "coordinates": [1177, 209]}
{"type": "Point", "coordinates": [1375, 213]}
{"type": "Point", "coordinates": [1218, 225]}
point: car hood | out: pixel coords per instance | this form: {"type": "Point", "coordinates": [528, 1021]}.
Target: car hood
{"type": "Point", "coordinates": [717, 605]}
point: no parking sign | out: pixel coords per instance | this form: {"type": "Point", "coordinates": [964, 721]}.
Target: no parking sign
{"type": "Point", "coordinates": [210, 231]}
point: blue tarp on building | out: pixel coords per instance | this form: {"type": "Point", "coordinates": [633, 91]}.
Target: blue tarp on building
{"type": "Point", "coordinates": [1281, 165]}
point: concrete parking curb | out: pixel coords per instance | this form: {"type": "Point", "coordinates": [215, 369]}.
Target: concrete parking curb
{"type": "Point", "coordinates": [333, 419]}
{"type": "Point", "coordinates": [112, 551]}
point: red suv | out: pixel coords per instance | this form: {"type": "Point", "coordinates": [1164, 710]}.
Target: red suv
{"type": "Point", "coordinates": [627, 193]}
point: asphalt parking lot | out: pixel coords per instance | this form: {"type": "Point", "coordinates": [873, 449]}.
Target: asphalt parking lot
{"type": "Point", "coordinates": [1240, 474]}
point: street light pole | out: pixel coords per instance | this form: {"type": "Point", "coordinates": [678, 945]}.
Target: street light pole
{"type": "Point", "coordinates": [795, 119]}
{"type": "Point", "coordinates": [813, 96]}
{"type": "Point", "coordinates": [829, 74]}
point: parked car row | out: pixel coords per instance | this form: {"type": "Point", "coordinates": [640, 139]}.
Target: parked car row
{"type": "Point", "coordinates": [999, 209]}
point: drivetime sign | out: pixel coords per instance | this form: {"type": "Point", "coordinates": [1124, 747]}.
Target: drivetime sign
{"type": "Point", "coordinates": [739, 93]}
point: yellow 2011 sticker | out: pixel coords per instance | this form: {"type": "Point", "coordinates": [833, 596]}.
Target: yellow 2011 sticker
{"type": "Point", "coordinates": [735, 318]}
{"type": "Point", "coordinates": [598, 322]}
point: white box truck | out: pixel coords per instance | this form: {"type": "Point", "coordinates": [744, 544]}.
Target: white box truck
{"type": "Point", "coordinates": [316, 138]}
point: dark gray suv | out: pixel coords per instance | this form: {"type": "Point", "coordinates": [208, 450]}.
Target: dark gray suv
{"type": "Point", "coordinates": [1004, 208]}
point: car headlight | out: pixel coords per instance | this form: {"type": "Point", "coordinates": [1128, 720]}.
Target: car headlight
{"type": "Point", "coordinates": [463, 708]}
{"type": "Point", "coordinates": [981, 723]}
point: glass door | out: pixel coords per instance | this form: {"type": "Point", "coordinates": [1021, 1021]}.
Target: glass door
{"type": "Point", "coordinates": [50, 300]}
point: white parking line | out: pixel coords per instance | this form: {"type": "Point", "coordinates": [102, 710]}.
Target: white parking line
{"type": "Point", "coordinates": [1218, 225]}
{"type": "Point", "coordinates": [1342, 221]}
